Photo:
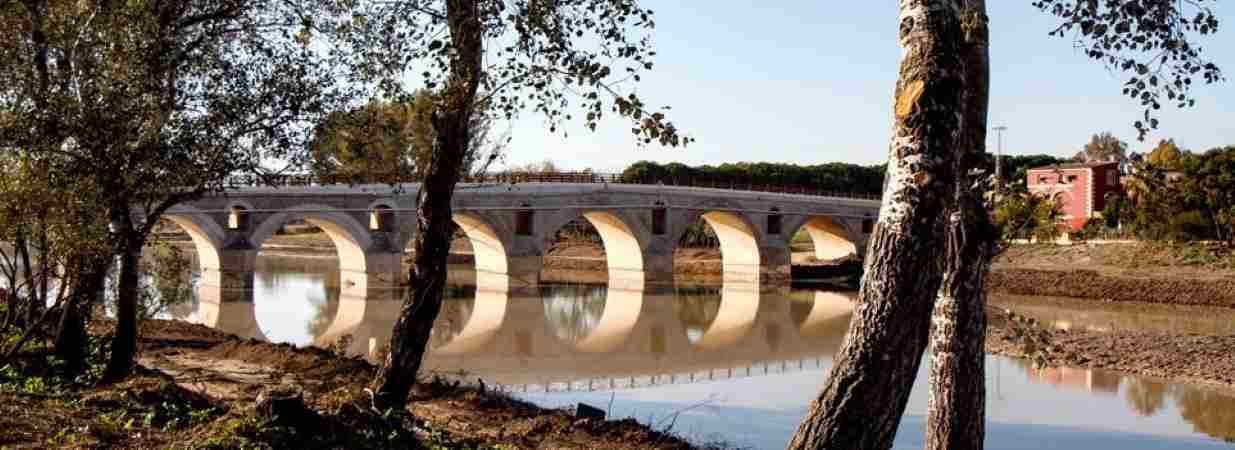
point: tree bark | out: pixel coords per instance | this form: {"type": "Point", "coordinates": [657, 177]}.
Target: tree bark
{"type": "Point", "coordinates": [869, 384]}
{"type": "Point", "coordinates": [70, 342]}
{"type": "Point", "coordinates": [124, 341]}
{"type": "Point", "coordinates": [435, 219]}
{"type": "Point", "coordinates": [956, 409]}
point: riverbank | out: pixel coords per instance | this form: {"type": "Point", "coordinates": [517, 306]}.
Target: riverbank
{"type": "Point", "coordinates": [200, 388]}
{"type": "Point", "coordinates": [1159, 285]}
{"type": "Point", "coordinates": [1129, 272]}
{"type": "Point", "coordinates": [1191, 358]}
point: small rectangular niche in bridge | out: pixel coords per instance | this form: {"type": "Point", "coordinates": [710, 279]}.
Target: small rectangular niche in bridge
{"type": "Point", "coordinates": [523, 221]}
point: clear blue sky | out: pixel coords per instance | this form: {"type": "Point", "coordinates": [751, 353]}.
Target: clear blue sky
{"type": "Point", "coordinates": [811, 81]}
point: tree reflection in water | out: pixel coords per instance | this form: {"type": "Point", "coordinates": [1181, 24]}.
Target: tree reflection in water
{"type": "Point", "coordinates": [1146, 397]}
{"type": "Point", "coordinates": [697, 308]}
{"type": "Point", "coordinates": [572, 311]}
{"type": "Point", "coordinates": [458, 301]}
{"type": "Point", "coordinates": [324, 313]}
{"type": "Point", "coordinates": [1208, 411]}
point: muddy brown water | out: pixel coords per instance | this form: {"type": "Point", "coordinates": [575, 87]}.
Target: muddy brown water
{"type": "Point", "coordinates": [731, 363]}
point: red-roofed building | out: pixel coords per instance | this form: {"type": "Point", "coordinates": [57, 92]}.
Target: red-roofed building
{"type": "Point", "coordinates": [1080, 188]}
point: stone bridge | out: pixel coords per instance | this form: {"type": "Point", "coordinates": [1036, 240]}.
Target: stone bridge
{"type": "Point", "coordinates": [511, 225]}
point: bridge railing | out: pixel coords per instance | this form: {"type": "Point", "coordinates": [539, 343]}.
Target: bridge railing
{"type": "Point", "coordinates": [761, 368]}
{"type": "Point", "coordinates": [290, 180]}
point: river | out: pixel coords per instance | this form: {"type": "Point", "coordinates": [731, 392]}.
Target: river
{"type": "Point", "coordinates": [735, 364]}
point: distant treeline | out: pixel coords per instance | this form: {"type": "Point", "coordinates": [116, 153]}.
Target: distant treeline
{"type": "Point", "coordinates": [840, 177]}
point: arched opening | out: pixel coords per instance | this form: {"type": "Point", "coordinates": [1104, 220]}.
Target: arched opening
{"type": "Point", "coordinates": [181, 249]}
{"type": "Point", "coordinates": [307, 260]}
{"type": "Point", "coordinates": [382, 218]}
{"type": "Point", "coordinates": [598, 259]}
{"type": "Point", "coordinates": [487, 249]}
{"type": "Point", "coordinates": [593, 244]}
{"type": "Point", "coordinates": [822, 240]}
{"type": "Point", "coordinates": [176, 228]}
{"type": "Point", "coordinates": [718, 237]}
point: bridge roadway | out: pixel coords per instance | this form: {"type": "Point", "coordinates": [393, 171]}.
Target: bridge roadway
{"type": "Point", "coordinates": [515, 339]}
{"type": "Point", "coordinates": [511, 225]}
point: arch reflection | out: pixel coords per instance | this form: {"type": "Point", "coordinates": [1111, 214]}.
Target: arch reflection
{"type": "Point", "coordinates": [592, 318]}
{"type": "Point", "coordinates": [822, 313]}
{"type": "Point", "coordinates": [485, 314]}
{"type": "Point", "coordinates": [714, 318]}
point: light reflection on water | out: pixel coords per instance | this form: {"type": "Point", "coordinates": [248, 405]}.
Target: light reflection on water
{"type": "Point", "coordinates": [725, 363]}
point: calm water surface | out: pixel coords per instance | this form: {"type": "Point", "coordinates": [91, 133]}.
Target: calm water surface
{"type": "Point", "coordinates": [735, 363]}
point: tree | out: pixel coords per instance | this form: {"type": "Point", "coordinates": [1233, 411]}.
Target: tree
{"type": "Point", "coordinates": [387, 141]}
{"type": "Point", "coordinates": [1103, 147]}
{"type": "Point", "coordinates": [507, 57]}
{"type": "Point", "coordinates": [869, 384]}
{"type": "Point", "coordinates": [155, 103]}
{"type": "Point", "coordinates": [1166, 155]}
{"type": "Point", "coordinates": [865, 394]}
{"type": "Point", "coordinates": [956, 408]}
{"type": "Point", "coordinates": [1154, 42]}
{"type": "Point", "coordinates": [1212, 178]}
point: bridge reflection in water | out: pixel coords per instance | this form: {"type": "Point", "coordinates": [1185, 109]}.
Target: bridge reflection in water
{"type": "Point", "coordinates": [578, 336]}
{"type": "Point", "coordinates": [626, 334]}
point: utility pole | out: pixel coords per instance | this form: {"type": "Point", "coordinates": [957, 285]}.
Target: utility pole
{"type": "Point", "coordinates": [999, 157]}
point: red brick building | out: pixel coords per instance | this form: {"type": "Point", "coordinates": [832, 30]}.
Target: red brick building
{"type": "Point", "coordinates": [1080, 188]}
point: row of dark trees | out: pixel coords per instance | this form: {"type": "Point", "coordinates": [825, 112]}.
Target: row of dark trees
{"type": "Point", "coordinates": [836, 177]}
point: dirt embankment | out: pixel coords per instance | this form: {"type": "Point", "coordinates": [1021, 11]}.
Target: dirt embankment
{"type": "Point", "coordinates": [1133, 272]}
{"type": "Point", "coordinates": [202, 389]}
{"type": "Point", "coordinates": [235, 370]}
{"type": "Point", "coordinates": [1092, 284]}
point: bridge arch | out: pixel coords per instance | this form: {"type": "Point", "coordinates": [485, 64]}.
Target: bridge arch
{"type": "Point", "coordinates": [350, 238]}
{"type": "Point", "coordinates": [738, 237]}
{"type": "Point", "coordinates": [831, 238]}
{"type": "Point", "coordinates": [488, 248]}
{"type": "Point", "coordinates": [621, 237]}
{"type": "Point", "coordinates": [206, 234]}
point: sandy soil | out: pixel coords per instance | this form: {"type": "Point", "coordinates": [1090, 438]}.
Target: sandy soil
{"type": "Point", "coordinates": [235, 370]}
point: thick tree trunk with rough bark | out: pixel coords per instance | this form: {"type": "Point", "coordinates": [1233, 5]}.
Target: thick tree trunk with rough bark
{"type": "Point", "coordinates": [124, 341]}
{"type": "Point", "coordinates": [869, 384]}
{"type": "Point", "coordinates": [956, 410]}
{"type": "Point", "coordinates": [435, 216]}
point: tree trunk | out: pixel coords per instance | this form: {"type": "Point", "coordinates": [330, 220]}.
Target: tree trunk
{"type": "Point", "coordinates": [869, 384]}
{"type": "Point", "coordinates": [30, 305]}
{"type": "Point", "coordinates": [956, 410]}
{"type": "Point", "coordinates": [124, 342]}
{"type": "Point", "coordinates": [70, 343]}
{"type": "Point", "coordinates": [435, 216]}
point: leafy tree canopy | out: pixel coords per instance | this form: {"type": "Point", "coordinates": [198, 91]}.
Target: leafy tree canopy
{"type": "Point", "coordinates": [388, 141]}
{"type": "Point", "coordinates": [1166, 155]}
{"type": "Point", "coordinates": [1103, 147]}
{"type": "Point", "coordinates": [1153, 41]}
